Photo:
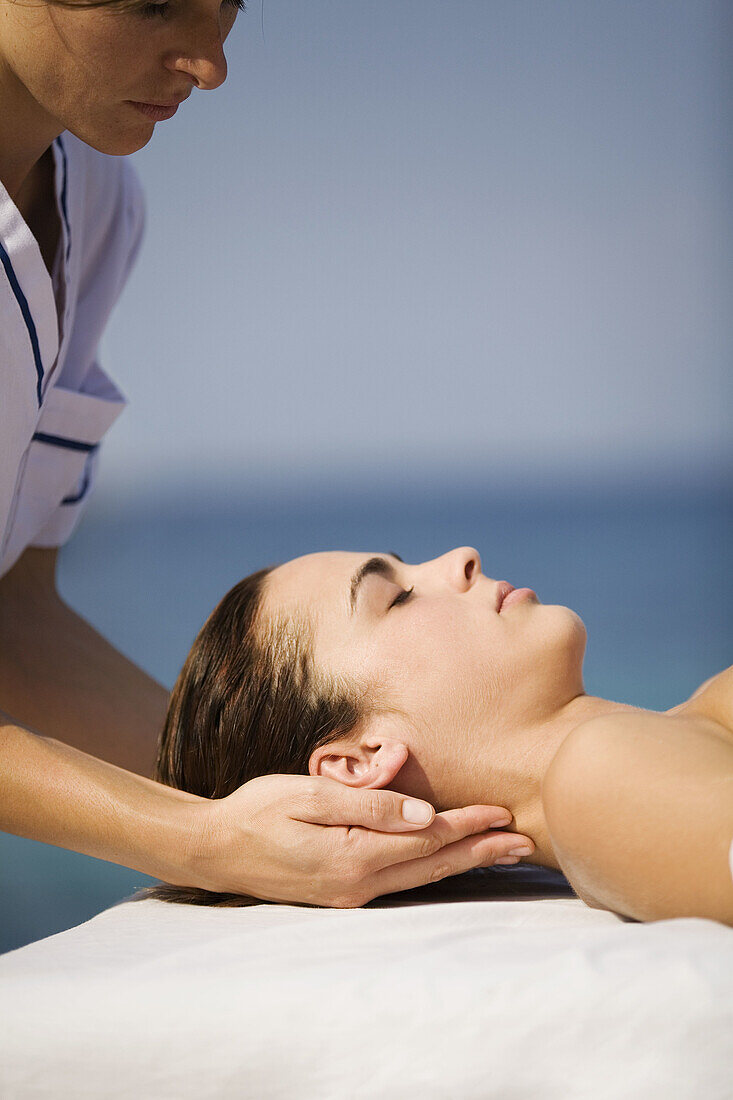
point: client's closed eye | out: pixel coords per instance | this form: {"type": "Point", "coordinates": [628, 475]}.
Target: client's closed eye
{"type": "Point", "coordinates": [403, 597]}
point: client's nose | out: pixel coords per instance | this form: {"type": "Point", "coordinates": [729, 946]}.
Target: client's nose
{"type": "Point", "coordinates": [464, 564]}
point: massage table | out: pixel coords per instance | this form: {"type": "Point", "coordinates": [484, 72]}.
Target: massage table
{"type": "Point", "coordinates": [500, 983]}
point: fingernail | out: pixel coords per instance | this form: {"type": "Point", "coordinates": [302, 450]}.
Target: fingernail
{"type": "Point", "coordinates": [417, 813]}
{"type": "Point", "coordinates": [498, 824]}
{"type": "Point", "coordinates": [520, 851]}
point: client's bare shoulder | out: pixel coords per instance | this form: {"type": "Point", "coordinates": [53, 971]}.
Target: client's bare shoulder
{"type": "Point", "coordinates": [639, 808]}
{"type": "Point", "coordinates": [713, 700]}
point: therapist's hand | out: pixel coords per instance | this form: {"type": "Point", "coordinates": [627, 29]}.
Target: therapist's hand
{"type": "Point", "coordinates": [314, 841]}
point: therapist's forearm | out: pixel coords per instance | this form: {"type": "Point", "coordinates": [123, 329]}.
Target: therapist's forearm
{"type": "Point", "coordinates": [56, 794]}
{"type": "Point", "coordinates": [61, 678]}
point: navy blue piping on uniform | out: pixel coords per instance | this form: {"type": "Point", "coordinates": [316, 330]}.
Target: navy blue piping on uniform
{"type": "Point", "coordinates": [61, 441]}
{"type": "Point", "coordinates": [70, 445]}
{"type": "Point", "coordinates": [63, 200]}
{"type": "Point", "coordinates": [27, 317]}
{"type": "Point", "coordinates": [82, 492]}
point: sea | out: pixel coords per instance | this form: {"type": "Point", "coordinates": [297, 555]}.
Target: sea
{"type": "Point", "coordinates": [649, 569]}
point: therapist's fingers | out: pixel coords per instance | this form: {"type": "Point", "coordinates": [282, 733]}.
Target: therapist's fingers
{"type": "Point", "coordinates": [464, 855]}
{"type": "Point", "coordinates": [328, 802]}
{"type": "Point", "coordinates": [372, 852]}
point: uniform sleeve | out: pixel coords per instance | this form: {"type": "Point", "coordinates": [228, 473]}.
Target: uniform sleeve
{"type": "Point", "coordinates": [100, 397]}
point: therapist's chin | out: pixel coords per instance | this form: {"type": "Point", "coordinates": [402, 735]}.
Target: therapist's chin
{"type": "Point", "coordinates": [121, 139]}
{"type": "Point", "coordinates": [136, 138]}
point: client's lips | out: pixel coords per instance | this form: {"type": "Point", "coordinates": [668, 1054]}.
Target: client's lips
{"type": "Point", "coordinates": [503, 589]}
{"type": "Point", "coordinates": [507, 594]}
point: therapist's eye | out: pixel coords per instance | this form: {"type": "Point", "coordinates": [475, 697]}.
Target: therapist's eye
{"type": "Point", "coordinates": [162, 9]}
{"type": "Point", "coordinates": [151, 10]}
{"type": "Point", "coordinates": [403, 597]}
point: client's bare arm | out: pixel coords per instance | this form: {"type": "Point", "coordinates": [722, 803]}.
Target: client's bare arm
{"type": "Point", "coordinates": [640, 811]}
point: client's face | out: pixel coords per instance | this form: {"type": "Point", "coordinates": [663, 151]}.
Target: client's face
{"type": "Point", "coordinates": [450, 665]}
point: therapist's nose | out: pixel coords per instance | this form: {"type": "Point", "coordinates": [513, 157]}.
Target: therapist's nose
{"type": "Point", "coordinates": [461, 567]}
{"type": "Point", "coordinates": [202, 56]}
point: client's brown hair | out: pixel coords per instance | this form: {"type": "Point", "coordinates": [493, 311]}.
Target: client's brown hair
{"type": "Point", "coordinates": [247, 702]}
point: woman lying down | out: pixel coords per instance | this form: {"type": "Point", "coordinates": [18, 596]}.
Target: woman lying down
{"type": "Point", "coordinates": [438, 682]}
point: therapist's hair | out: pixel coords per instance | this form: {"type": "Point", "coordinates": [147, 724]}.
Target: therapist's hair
{"type": "Point", "coordinates": [248, 702]}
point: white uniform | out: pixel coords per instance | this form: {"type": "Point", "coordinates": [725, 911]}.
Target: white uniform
{"type": "Point", "coordinates": [56, 403]}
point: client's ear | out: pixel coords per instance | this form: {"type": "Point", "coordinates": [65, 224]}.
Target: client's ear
{"type": "Point", "coordinates": [368, 759]}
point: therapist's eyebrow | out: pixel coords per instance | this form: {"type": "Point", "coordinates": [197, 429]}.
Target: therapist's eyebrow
{"type": "Point", "coordinates": [379, 566]}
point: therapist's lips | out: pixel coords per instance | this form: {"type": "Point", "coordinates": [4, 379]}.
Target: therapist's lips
{"type": "Point", "coordinates": [507, 594]}
{"type": "Point", "coordinates": [156, 111]}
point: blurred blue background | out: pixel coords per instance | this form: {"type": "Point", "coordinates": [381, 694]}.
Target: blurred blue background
{"type": "Point", "coordinates": [421, 275]}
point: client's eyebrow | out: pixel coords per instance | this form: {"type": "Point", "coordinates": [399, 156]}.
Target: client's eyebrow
{"type": "Point", "coordinates": [379, 566]}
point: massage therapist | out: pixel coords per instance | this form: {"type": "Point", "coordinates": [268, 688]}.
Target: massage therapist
{"type": "Point", "coordinates": [81, 86]}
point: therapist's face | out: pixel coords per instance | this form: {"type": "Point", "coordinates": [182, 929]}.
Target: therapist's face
{"type": "Point", "coordinates": [453, 669]}
{"type": "Point", "coordinates": [81, 67]}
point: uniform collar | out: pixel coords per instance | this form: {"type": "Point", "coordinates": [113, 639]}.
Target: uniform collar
{"type": "Point", "coordinates": [32, 313]}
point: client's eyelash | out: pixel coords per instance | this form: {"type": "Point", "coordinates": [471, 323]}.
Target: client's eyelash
{"type": "Point", "coordinates": [405, 595]}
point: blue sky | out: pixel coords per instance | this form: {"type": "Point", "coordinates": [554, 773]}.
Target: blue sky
{"type": "Point", "coordinates": [417, 238]}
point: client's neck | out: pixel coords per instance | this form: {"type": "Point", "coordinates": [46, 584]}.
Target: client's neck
{"type": "Point", "coordinates": [511, 772]}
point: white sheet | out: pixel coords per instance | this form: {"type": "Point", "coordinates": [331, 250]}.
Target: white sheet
{"type": "Point", "coordinates": [519, 992]}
